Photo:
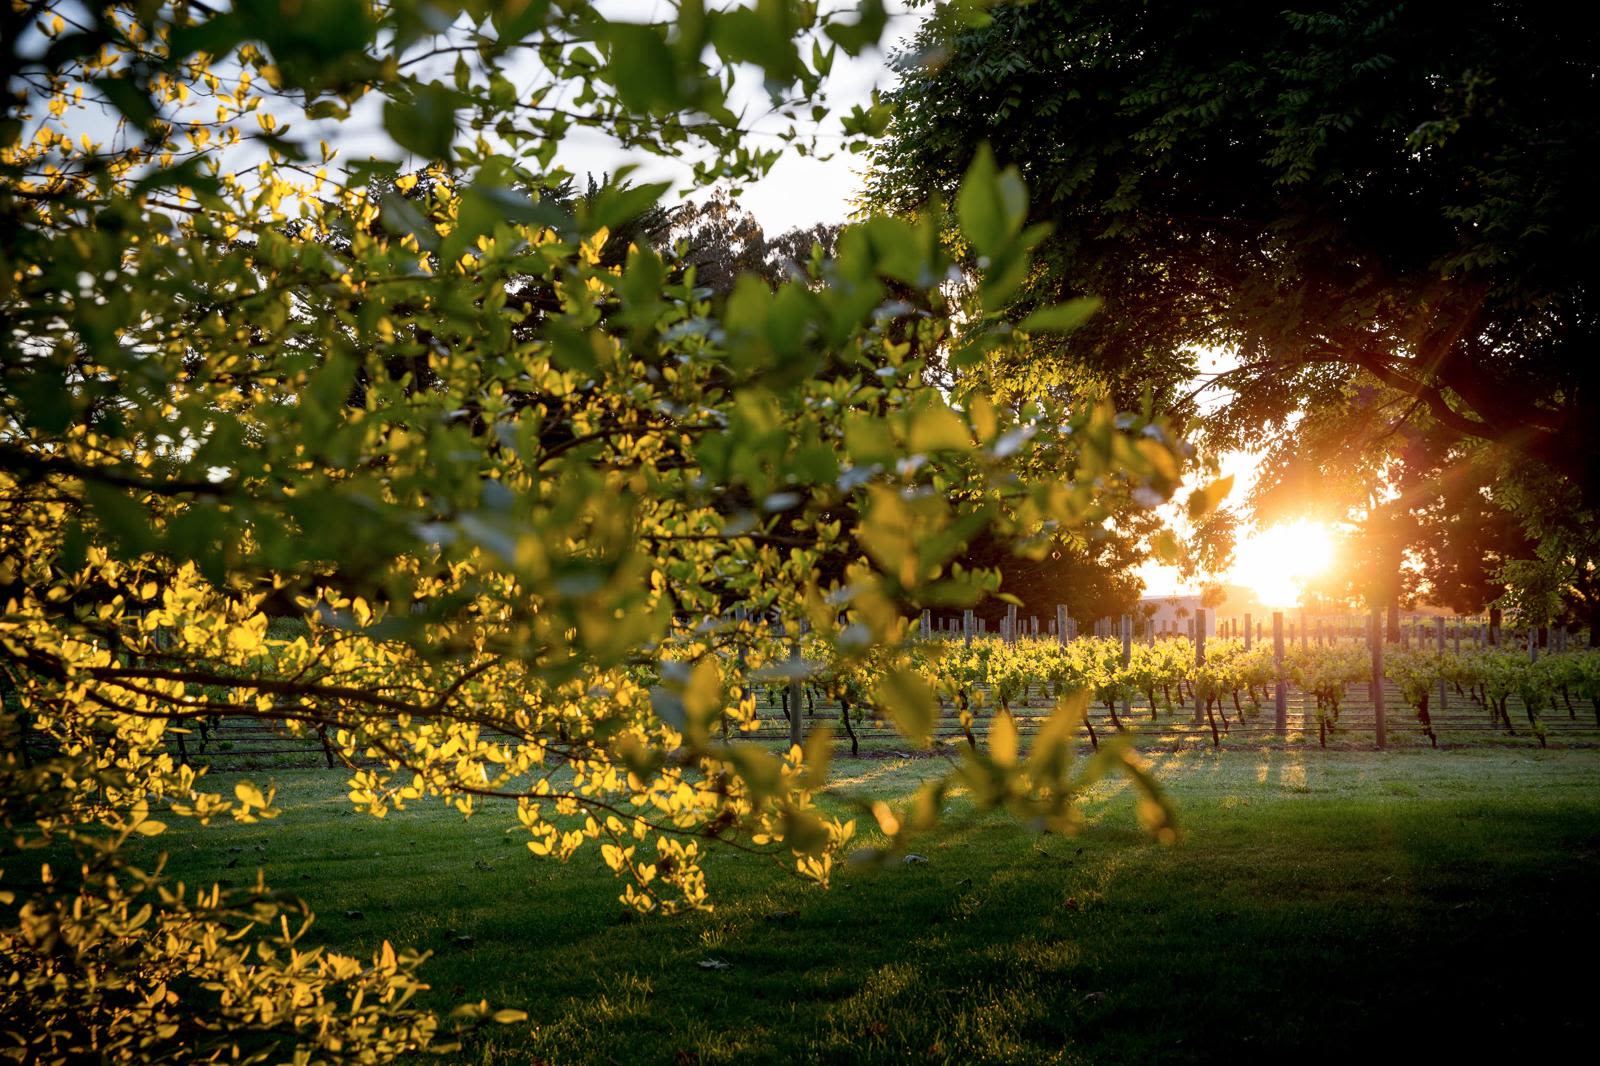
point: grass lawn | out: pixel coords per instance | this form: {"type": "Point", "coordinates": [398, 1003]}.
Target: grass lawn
{"type": "Point", "coordinates": [1322, 905]}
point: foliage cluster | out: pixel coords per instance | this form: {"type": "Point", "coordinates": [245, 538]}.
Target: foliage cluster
{"type": "Point", "coordinates": [422, 456]}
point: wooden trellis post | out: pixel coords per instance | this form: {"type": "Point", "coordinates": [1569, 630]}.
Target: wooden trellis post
{"type": "Point", "coordinates": [1380, 726]}
{"type": "Point", "coordinates": [1248, 643]}
{"type": "Point", "coordinates": [1199, 624]}
{"type": "Point", "coordinates": [926, 623]}
{"type": "Point", "coordinates": [1438, 629]}
{"type": "Point", "coordinates": [966, 626]}
{"type": "Point", "coordinates": [1127, 655]}
{"type": "Point", "coordinates": [1280, 688]}
{"type": "Point", "coordinates": [796, 689]}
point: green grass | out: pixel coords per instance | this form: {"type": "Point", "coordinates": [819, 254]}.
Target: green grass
{"type": "Point", "coordinates": [1321, 905]}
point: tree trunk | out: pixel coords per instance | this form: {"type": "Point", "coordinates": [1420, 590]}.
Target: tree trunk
{"type": "Point", "coordinates": [844, 716]}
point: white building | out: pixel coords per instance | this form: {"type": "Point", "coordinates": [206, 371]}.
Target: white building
{"type": "Point", "coordinates": [1175, 614]}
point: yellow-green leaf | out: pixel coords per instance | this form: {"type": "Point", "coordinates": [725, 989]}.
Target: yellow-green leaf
{"type": "Point", "coordinates": [910, 704]}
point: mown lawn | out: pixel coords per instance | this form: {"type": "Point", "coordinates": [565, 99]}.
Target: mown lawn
{"type": "Point", "coordinates": [1321, 906]}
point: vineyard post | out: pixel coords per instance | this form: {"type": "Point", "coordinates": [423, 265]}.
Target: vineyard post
{"type": "Point", "coordinates": [1533, 645]}
{"type": "Point", "coordinates": [1457, 628]}
{"type": "Point", "coordinates": [926, 623]}
{"type": "Point", "coordinates": [1127, 657]}
{"type": "Point", "coordinates": [966, 626]}
{"type": "Point", "coordinates": [1199, 624]}
{"type": "Point", "coordinates": [1305, 631]}
{"type": "Point", "coordinates": [1438, 627]}
{"type": "Point", "coordinates": [796, 693]}
{"type": "Point", "coordinates": [1280, 689]}
{"type": "Point", "coordinates": [1380, 727]}
{"type": "Point", "coordinates": [740, 616]}
{"type": "Point", "coordinates": [1011, 623]}
{"type": "Point", "coordinates": [1248, 633]}
{"type": "Point", "coordinates": [1061, 623]}
{"type": "Point", "coordinates": [1494, 627]}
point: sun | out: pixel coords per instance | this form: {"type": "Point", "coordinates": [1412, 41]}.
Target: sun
{"type": "Point", "coordinates": [1274, 562]}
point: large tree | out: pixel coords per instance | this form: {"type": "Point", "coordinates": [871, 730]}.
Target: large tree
{"type": "Point", "coordinates": [1348, 193]}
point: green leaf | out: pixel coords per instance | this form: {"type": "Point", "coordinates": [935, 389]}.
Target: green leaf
{"type": "Point", "coordinates": [642, 67]}
{"type": "Point", "coordinates": [990, 204]}
{"type": "Point", "coordinates": [910, 704]}
{"type": "Point", "coordinates": [936, 429]}
{"type": "Point", "coordinates": [1061, 318]}
{"type": "Point", "coordinates": [517, 18]}
{"type": "Point", "coordinates": [123, 518]}
{"type": "Point", "coordinates": [1003, 742]}
{"type": "Point", "coordinates": [1053, 745]}
{"type": "Point", "coordinates": [761, 770]}
{"type": "Point", "coordinates": [326, 392]}
{"type": "Point", "coordinates": [762, 35]}
{"type": "Point", "coordinates": [1208, 498]}
{"type": "Point", "coordinates": [424, 121]}
{"type": "Point", "coordinates": [618, 203]}
{"type": "Point", "coordinates": [864, 32]}
{"type": "Point", "coordinates": [484, 205]}
{"type": "Point", "coordinates": [128, 98]}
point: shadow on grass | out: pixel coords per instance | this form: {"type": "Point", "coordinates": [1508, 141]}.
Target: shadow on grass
{"type": "Point", "coordinates": [1319, 907]}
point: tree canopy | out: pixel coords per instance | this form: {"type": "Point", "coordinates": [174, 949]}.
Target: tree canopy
{"type": "Point", "coordinates": [1381, 209]}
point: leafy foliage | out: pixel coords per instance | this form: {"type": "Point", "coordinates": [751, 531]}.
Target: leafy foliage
{"type": "Point", "coordinates": [464, 475]}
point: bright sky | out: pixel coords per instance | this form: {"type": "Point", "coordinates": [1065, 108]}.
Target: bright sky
{"type": "Point", "coordinates": [799, 191]}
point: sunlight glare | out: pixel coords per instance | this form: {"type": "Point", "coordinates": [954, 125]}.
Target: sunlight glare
{"type": "Point", "coordinates": [1275, 561]}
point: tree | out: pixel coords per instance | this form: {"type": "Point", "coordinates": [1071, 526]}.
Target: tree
{"type": "Point", "coordinates": [1092, 576]}
{"type": "Point", "coordinates": [1351, 195]}
{"type": "Point", "coordinates": [723, 243]}
{"type": "Point", "coordinates": [412, 458]}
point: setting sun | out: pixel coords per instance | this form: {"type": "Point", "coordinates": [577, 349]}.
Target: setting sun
{"type": "Point", "coordinates": [1274, 562]}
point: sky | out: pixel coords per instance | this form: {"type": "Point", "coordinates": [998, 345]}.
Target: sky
{"type": "Point", "coordinates": [799, 191]}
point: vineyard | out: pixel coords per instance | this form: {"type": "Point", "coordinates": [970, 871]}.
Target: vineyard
{"type": "Point", "coordinates": [1157, 693]}
{"type": "Point", "coordinates": [1165, 694]}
